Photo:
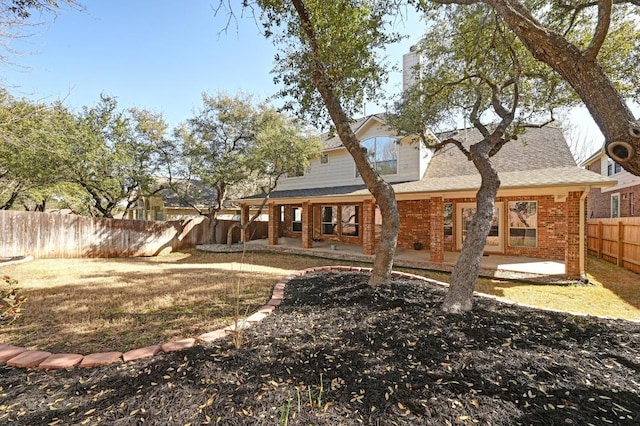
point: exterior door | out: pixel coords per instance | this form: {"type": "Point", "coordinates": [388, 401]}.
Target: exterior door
{"type": "Point", "coordinates": [495, 239]}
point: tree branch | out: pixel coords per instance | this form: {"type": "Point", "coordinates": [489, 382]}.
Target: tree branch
{"type": "Point", "coordinates": [602, 29]}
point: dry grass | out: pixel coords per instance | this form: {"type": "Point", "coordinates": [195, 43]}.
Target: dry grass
{"type": "Point", "coordinates": [613, 292]}
{"type": "Point", "coordinates": [91, 305]}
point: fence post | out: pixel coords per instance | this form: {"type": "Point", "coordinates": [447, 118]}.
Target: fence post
{"type": "Point", "coordinates": [600, 232]}
{"type": "Point", "coordinates": [620, 243]}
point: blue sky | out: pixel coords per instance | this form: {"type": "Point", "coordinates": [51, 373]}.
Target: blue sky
{"type": "Point", "coordinates": [160, 55]}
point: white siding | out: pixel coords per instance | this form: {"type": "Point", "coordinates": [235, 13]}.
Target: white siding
{"type": "Point", "coordinates": [624, 178]}
{"type": "Point", "coordinates": [341, 169]}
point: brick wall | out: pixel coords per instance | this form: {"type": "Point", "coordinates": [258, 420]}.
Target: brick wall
{"type": "Point", "coordinates": [598, 203]}
{"type": "Point", "coordinates": [414, 223]}
{"type": "Point", "coordinates": [572, 251]}
{"type": "Point", "coordinates": [551, 229]}
{"type": "Point", "coordinates": [630, 201]}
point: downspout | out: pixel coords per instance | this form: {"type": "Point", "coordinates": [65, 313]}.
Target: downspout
{"type": "Point", "coordinates": [582, 260]}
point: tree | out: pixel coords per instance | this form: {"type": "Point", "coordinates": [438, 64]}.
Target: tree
{"type": "Point", "coordinates": [110, 154]}
{"type": "Point", "coordinates": [281, 147]}
{"type": "Point", "coordinates": [232, 147]}
{"type": "Point", "coordinates": [28, 172]}
{"type": "Point", "coordinates": [570, 36]}
{"type": "Point", "coordinates": [329, 64]}
{"type": "Point", "coordinates": [16, 16]}
{"type": "Point", "coordinates": [475, 65]}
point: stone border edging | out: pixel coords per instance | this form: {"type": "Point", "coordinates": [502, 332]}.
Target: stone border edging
{"type": "Point", "coordinates": [19, 357]}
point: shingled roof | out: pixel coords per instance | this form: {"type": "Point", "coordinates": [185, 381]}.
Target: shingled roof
{"type": "Point", "coordinates": [538, 158]}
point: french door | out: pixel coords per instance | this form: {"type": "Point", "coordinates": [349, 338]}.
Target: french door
{"type": "Point", "coordinates": [495, 240]}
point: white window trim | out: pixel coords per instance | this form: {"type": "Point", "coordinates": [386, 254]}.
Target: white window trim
{"type": "Point", "coordinates": [501, 228]}
{"type": "Point", "coordinates": [616, 195]}
{"type": "Point", "coordinates": [509, 228]}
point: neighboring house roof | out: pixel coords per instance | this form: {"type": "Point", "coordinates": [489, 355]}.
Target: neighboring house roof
{"type": "Point", "coordinates": [593, 157]}
{"type": "Point", "coordinates": [204, 195]}
{"type": "Point", "coordinates": [538, 158]}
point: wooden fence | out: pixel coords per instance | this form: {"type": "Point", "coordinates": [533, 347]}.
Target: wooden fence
{"type": "Point", "coordinates": [615, 240]}
{"type": "Point", "coordinates": [65, 236]}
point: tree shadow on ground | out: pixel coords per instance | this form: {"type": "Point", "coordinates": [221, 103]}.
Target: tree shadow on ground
{"type": "Point", "coordinates": [339, 352]}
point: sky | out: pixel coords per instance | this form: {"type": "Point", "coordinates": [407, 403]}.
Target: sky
{"type": "Point", "coordinates": [162, 55]}
{"type": "Point", "coordinates": [159, 55]}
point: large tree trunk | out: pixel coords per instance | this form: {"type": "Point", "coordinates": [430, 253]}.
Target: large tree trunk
{"type": "Point", "coordinates": [379, 188]}
{"type": "Point", "coordinates": [583, 72]}
{"type": "Point", "coordinates": [459, 297]}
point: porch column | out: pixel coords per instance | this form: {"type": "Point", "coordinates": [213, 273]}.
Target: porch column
{"type": "Point", "coordinates": [274, 223]}
{"type": "Point", "coordinates": [572, 249]}
{"type": "Point", "coordinates": [244, 218]}
{"type": "Point", "coordinates": [307, 225]}
{"type": "Point", "coordinates": [368, 227]}
{"type": "Point", "coordinates": [436, 230]}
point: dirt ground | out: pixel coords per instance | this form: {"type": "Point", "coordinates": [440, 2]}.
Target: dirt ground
{"type": "Point", "coordinates": [340, 353]}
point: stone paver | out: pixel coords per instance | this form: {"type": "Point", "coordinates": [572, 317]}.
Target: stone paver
{"type": "Point", "coordinates": [275, 302]}
{"type": "Point", "coordinates": [58, 361]}
{"type": "Point", "coordinates": [7, 352]}
{"type": "Point", "coordinates": [28, 359]}
{"type": "Point", "coordinates": [212, 335]}
{"type": "Point", "coordinates": [258, 316]}
{"type": "Point", "coordinates": [267, 309]}
{"type": "Point", "coordinates": [101, 358]}
{"type": "Point", "coordinates": [146, 352]}
{"type": "Point", "coordinates": [178, 345]}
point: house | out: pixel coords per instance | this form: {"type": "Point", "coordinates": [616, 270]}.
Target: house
{"type": "Point", "coordinates": [166, 205]}
{"type": "Point", "coordinates": [540, 207]}
{"type": "Point", "coordinates": [620, 200]}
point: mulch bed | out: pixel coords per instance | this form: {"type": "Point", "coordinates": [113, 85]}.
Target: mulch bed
{"type": "Point", "coordinates": [338, 352]}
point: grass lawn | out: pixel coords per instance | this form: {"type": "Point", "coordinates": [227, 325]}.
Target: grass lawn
{"type": "Point", "coordinates": [91, 305]}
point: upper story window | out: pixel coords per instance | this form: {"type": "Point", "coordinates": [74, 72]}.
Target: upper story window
{"type": "Point", "coordinates": [613, 167]}
{"type": "Point", "coordinates": [324, 158]}
{"type": "Point", "coordinates": [383, 154]}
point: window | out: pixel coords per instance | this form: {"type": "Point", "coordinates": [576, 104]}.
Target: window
{"type": "Point", "coordinates": [448, 222]}
{"type": "Point", "coordinates": [383, 154]}
{"type": "Point", "coordinates": [329, 220]}
{"type": "Point", "coordinates": [523, 224]}
{"type": "Point", "coordinates": [296, 219]}
{"type": "Point", "coordinates": [350, 221]}
{"type": "Point", "coordinates": [377, 222]}
{"type": "Point", "coordinates": [613, 167]}
{"type": "Point", "coordinates": [615, 205]}
{"type": "Point", "coordinates": [282, 214]}
{"type": "Point", "coordinates": [324, 158]}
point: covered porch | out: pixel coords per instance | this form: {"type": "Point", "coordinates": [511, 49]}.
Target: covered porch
{"type": "Point", "coordinates": [493, 265]}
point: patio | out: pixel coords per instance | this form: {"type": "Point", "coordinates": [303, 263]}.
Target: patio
{"type": "Point", "coordinates": [493, 265]}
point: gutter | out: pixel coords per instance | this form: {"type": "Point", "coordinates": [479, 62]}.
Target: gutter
{"type": "Point", "coordinates": [582, 234]}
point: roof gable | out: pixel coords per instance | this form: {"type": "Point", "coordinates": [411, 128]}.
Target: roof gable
{"type": "Point", "coordinates": [331, 140]}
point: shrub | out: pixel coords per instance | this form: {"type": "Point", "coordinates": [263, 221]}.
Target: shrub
{"type": "Point", "coordinates": [11, 300]}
